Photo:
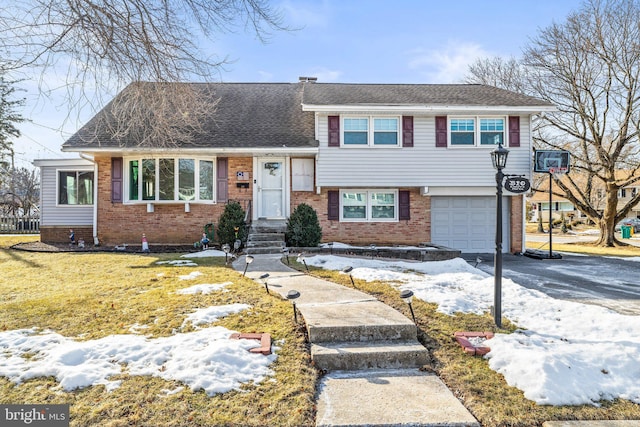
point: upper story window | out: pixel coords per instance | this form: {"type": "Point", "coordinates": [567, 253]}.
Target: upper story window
{"type": "Point", "coordinates": [75, 187]}
{"type": "Point", "coordinates": [170, 179]}
{"type": "Point", "coordinates": [371, 131]}
{"type": "Point", "coordinates": [477, 131]}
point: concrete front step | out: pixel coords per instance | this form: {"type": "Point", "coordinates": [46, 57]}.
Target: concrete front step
{"type": "Point", "coordinates": [369, 355]}
{"type": "Point", "coordinates": [364, 320]}
{"type": "Point", "coordinates": [264, 250]}
{"type": "Point", "coordinates": [265, 243]}
{"type": "Point", "coordinates": [257, 237]}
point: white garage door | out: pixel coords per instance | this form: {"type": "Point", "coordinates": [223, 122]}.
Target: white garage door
{"type": "Point", "coordinates": [468, 223]}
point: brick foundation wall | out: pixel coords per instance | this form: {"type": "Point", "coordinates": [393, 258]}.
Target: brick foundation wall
{"type": "Point", "coordinates": [412, 232]}
{"type": "Point", "coordinates": [60, 234]}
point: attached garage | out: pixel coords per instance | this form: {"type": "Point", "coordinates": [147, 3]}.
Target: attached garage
{"type": "Point", "coordinates": [467, 223]}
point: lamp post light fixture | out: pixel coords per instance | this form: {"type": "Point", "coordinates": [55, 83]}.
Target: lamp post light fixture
{"type": "Point", "coordinates": [248, 260]}
{"type": "Point", "coordinates": [226, 248]}
{"type": "Point", "coordinates": [330, 248]}
{"type": "Point", "coordinates": [285, 252]}
{"type": "Point", "coordinates": [264, 278]}
{"type": "Point", "coordinates": [373, 249]}
{"type": "Point", "coordinates": [292, 295]}
{"type": "Point", "coordinates": [407, 296]}
{"type": "Point", "coordinates": [348, 270]}
{"type": "Point", "coordinates": [499, 160]}
{"type": "Point", "coordinates": [301, 259]}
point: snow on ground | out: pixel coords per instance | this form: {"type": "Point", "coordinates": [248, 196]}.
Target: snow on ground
{"type": "Point", "coordinates": [204, 254]}
{"type": "Point", "coordinates": [203, 360]}
{"type": "Point", "coordinates": [565, 353]}
{"type": "Point", "coordinates": [204, 288]}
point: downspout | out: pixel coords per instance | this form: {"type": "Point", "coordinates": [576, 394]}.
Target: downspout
{"type": "Point", "coordinates": [96, 242]}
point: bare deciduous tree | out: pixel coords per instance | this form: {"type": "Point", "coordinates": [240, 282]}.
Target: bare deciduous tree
{"type": "Point", "coordinates": [589, 67]}
{"type": "Point", "coordinates": [95, 48]}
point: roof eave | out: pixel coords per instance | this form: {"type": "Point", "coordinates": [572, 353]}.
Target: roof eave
{"type": "Point", "coordinates": [430, 108]}
{"type": "Point", "coordinates": [200, 150]}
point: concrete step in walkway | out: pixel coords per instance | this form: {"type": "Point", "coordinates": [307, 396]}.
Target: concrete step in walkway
{"type": "Point", "coordinates": [350, 330]}
{"type": "Point", "coordinates": [266, 237]}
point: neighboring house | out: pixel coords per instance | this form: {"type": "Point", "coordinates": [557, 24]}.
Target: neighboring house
{"type": "Point", "coordinates": [561, 206]}
{"type": "Point", "coordinates": [380, 164]}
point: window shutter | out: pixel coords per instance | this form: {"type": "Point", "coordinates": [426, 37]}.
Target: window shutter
{"type": "Point", "coordinates": [334, 131]}
{"type": "Point", "coordinates": [222, 180]}
{"type": "Point", "coordinates": [404, 205]}
{"type": "Point", "coordinates": [333, 211]}
{"type": "Point", "coordinates": [407, 131]}
{"type": "Point", "coordinates": [514, 131]}
{"type": "Point", "coordinates": [116, 179]}
{"type": "Point", "coordinates": [441, 131]}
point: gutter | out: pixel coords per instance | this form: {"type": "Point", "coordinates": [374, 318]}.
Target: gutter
{"type": "Point", "coordinates": [96, 242]}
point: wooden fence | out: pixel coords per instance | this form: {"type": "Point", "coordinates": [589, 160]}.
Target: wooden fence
{"type": "Point", "coordinates": [19, 225]}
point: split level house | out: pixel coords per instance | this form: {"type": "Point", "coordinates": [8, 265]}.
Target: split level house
{"type": "Point", "coordinates": [399, 164]}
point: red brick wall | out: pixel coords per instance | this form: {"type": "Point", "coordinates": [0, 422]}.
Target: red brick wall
{"type": "Point", "coordinates": [60, 234]}
{"type": "Point", "coordinates": [516, 223]}
{"type": "Point", "coordinates": [416, 230]}
{"type": "Point", "coordinates": [169, 223]}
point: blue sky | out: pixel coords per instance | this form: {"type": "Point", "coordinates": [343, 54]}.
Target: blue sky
{"type": "Point", "coordinates": [355, 41]}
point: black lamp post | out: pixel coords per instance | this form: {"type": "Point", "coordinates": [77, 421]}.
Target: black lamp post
{"type": "Point", "coordinates": [226, 248]}
{"type": "Point", "coordinates": [348, 270]}
{"type": "Point", "coordinates": [264, 278]}
{"type": "Point", "coordinates": [499, 159]}
{"type": "Point", "coordinates": [248, 260]}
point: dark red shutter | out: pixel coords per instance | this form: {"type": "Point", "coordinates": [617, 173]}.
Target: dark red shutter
{"type": "Point", "coordinates": [222, 180]}
{"type": "Point", "coordinates": [514, 131]}
{"type": "Point", "coordinates": [334, 131]}
{"type": "Point", "coordinates": [404, 205]}
{"type": "Point", "coordinates": [441, 131]}
{"type": "Point", "coordinates": [116, 179]}
{"type": "Point", "coordinates": [333, 210]}
{"type": "Point", "coordinates": [407, 131]}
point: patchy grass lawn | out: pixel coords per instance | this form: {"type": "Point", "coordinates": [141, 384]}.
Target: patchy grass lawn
{"type": "Point", "coordinates": [94, 295]}
{"type": "Point", "coordinates": [483, 391]}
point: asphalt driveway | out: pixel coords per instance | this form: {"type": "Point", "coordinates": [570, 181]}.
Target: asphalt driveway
{"type": "Point", "coordinates": [605, 281]}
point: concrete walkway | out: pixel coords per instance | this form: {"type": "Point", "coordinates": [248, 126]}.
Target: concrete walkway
{"type": "Point", "coordinates": [369, 351]}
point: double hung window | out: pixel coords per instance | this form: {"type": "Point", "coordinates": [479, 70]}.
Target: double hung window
{"type": "Point", "coordinates": [75, 187]}
{"type": "Point", "coordinates": [170, 180]}
{"type": "Point", "coordinates": [371, 131]}
{"type": "Point", "coordinates": [369, 205]}
{"type": "Point", "coordinates": [476, 131]}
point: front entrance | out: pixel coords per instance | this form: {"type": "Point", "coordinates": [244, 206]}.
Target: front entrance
{"type": "Point", "coordinates": [271, 188]}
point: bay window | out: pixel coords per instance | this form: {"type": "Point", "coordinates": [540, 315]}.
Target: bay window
{"type": "Point", "coordinates": [369, 205]}
{"type": "Point", "coordinates": [170, 180]}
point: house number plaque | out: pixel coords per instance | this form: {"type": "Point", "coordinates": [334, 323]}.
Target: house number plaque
{"type": "Point", "coordinates": [517, 184]}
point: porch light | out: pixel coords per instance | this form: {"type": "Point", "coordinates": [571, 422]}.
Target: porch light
{"type": "Point", "coordinates": [407, 297]}
{"type": "Point", "coordinates": [248, 260]}
{"type": "Point", "coordinates": [292, 295]}
{"type": "Point", "coordinates": [499, 157]}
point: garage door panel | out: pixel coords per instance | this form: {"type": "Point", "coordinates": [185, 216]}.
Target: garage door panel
{"type": "Point", "coordinates": [467, 223]}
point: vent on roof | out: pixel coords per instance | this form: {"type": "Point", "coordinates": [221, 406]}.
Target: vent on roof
{"type": "Point", "coordinates": [308, 79]}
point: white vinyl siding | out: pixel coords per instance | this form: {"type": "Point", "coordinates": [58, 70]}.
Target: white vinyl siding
{"type": "Point", "coordinates": [424, 164]}
{"type": "Point", "coordinates": [53, 214]}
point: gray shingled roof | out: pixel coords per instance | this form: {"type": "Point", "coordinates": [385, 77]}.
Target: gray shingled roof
{"type": "Point", "coordinates": [248, 115]}
{"type": "Point", "coordinates": [266, 115]}
{"type": "Point", "coordinates": [416, 94]}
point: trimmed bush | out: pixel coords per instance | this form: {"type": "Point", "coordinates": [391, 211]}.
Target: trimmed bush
{"type": "Point", "coordinates": [231, 219]}
{"type": "Point", "coordinates": [303, 227]}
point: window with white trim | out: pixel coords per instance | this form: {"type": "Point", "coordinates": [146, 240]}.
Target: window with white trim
{"type": "Point", "coordinates": [371, 131]}
{"type": "Point", "coordinates": [75, 188]}
{"type": "Point", "coordinates": [477, 131]}
{"type": "Point", "coordinates": [170, 180]}
{"type": "Point", "coordinates": [369, 205]}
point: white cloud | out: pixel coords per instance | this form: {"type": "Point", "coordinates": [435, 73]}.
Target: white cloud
{"type": "Point", "coordinates": [446, 65]}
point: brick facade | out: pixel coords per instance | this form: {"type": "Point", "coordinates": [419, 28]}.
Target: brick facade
{"type": "Point", "coordinates": [168, 223]}
{"type": "Point", "coordinates": [60, 233]}
{"type": "Point", "coordinates": [412, 232]}
{"type": "Point", "coordinates": [516, 223]}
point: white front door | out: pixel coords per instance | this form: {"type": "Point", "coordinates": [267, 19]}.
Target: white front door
{"type": "Point", "coordinates": [271, 188]}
